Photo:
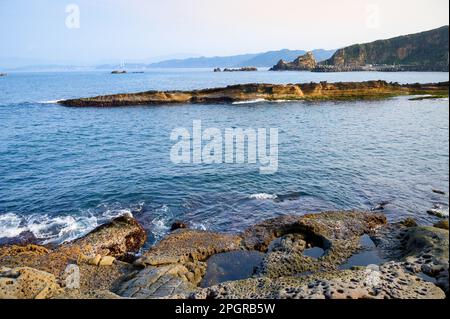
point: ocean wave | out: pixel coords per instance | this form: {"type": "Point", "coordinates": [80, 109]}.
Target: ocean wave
{"type": "Point", "coordinates": [263, 196]}
{"type": "Point", "coordinates": [50, 102]}
{"type": "Point", "coordinates": [48, 229]}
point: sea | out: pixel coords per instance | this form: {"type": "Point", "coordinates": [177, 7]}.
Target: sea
{"type": "Point", "coordinates": [65, 171]}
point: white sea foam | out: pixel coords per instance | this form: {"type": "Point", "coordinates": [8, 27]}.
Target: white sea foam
{"type": "Point", "coordinates": [10, 225]}
{"type": "Point", "coordinates": [50, 102]}
{"type": "Point", "coordinates": [250, 101]}
{"type": "Point", "coordinates": [262, 196]}
{"type": "Point", "coordinates": [55, 229]}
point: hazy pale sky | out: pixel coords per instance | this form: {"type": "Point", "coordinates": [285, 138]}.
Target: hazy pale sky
{"type": "Point", "coordinates": [109, 30]}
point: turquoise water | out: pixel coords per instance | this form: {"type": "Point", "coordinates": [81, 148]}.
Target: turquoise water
{"type": "Point", "coordinates": [66, 170]}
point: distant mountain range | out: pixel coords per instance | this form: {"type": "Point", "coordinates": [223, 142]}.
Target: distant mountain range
{"type": "Point", "coordinates": [425, 51]}
{"type": "Point", "coordinates": [265, 59]}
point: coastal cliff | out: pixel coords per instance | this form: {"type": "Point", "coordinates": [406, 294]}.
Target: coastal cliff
{"type": "Point", "coordinates": [425, 51]}
{"type": "Point", "coordinates": [269, 92]}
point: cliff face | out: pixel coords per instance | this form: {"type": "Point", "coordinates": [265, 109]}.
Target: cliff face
{"type": "Point", "coordinates": [425, 51]}
{"type": "Point", "coordinates": [305, 62]}
{"type": "Point", "coordinates": [270, 92]}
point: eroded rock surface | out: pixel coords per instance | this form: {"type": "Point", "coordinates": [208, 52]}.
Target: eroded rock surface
{"type": "Point", "coordinates": [189, 246]}
{"type": "Point", "coordinates": [389, 281]}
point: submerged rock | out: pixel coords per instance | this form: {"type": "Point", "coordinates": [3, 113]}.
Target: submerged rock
{"type": "Point", "coordinates": [285, 257]}
{"type": "Point", "coordinates": [178, 225]}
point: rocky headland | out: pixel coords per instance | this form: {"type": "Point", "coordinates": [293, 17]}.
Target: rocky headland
{"type": "Point", "coordinates": [307, 256]}
{"type": "Point", "coordinates": [271, 92]}
{"type": "Point", "coordinates": [420, 52]}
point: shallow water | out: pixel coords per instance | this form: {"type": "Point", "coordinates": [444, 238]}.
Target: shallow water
{"type": "Point", "coordinates": [368, 255]}
{"type": "Point", "coordinates": [64, 171]}
{"type": "Point", "coordinates": [231, 266]}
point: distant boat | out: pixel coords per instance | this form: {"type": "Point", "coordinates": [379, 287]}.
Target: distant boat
{"type": "Point", "coordinates": [3, 74]}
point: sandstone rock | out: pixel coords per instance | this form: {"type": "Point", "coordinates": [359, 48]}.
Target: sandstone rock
{"type": "Point", "coordinates": [389, 281]}
{"type": "Point", "coordinates": [171, 282]}
{"type": "Point", "coordinates": [338, 233]}
{"type": "Point", "coordinates": [117, 238]}
{"type": "Point", "coordinates": [188, 246]}
{"type": "Point", "coordinates": [27, 283]}
{"type": "Point", "coordinates": [107, 261]}
{"type": "Point", "coordinates": [248, 92]}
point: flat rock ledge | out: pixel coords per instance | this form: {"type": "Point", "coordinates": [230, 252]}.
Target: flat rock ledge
{"type": "Point", "coordinates": [270, 92]}
{"type": "Point", "coordinates": [415, 262]}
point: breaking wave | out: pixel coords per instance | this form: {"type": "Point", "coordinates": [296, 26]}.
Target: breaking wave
{"type": "Point", "coordinates": [263, 196]}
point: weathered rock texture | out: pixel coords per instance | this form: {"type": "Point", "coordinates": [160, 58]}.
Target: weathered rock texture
{"type": "Point", "coordinates": [269, 92]}
{"type": "Point", "coordinates": [175, 267]}
{"type": "Point", "coordinates": [338, 233]}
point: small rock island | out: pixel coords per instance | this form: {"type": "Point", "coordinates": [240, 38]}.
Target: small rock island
{"type": "Point", "coordinates": [305, 62]}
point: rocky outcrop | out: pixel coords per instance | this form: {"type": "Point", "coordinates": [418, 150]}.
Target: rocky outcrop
{"type": "Point", "coordinates": [244, 69]}
{"type": "Point", "coordinates": [336, 233]}
{"type": "Point", "coordinates": [305, 62]}
{"type": "Point", "coordinates": [270, 92]}
{"type": "Point", "coordinates": [386, 282]}
{"type": "Point", "coordinates": [414, 263]}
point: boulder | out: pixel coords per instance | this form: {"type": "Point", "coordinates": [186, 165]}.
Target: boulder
{"type": "Point", "coordinates": [187, 245]}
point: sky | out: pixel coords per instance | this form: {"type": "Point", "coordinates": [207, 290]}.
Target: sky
{"type": "Point", "coordinates": [103, 31]}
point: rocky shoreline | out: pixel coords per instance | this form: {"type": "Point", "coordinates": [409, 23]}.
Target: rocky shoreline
{"type": "Point", "coordinates": [322, 91]}
{"type": "Point", "coordinates": [298, 257]}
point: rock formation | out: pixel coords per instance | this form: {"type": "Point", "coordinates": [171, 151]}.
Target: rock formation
{"type": "Point", "coordinates": [425, 51]}
{"type": "Point", "coordinates": [305, 62]}
{"type": "Point", "coordinates": [270, 92]}
{"type": "Point", "coordinates": [174, 267]}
